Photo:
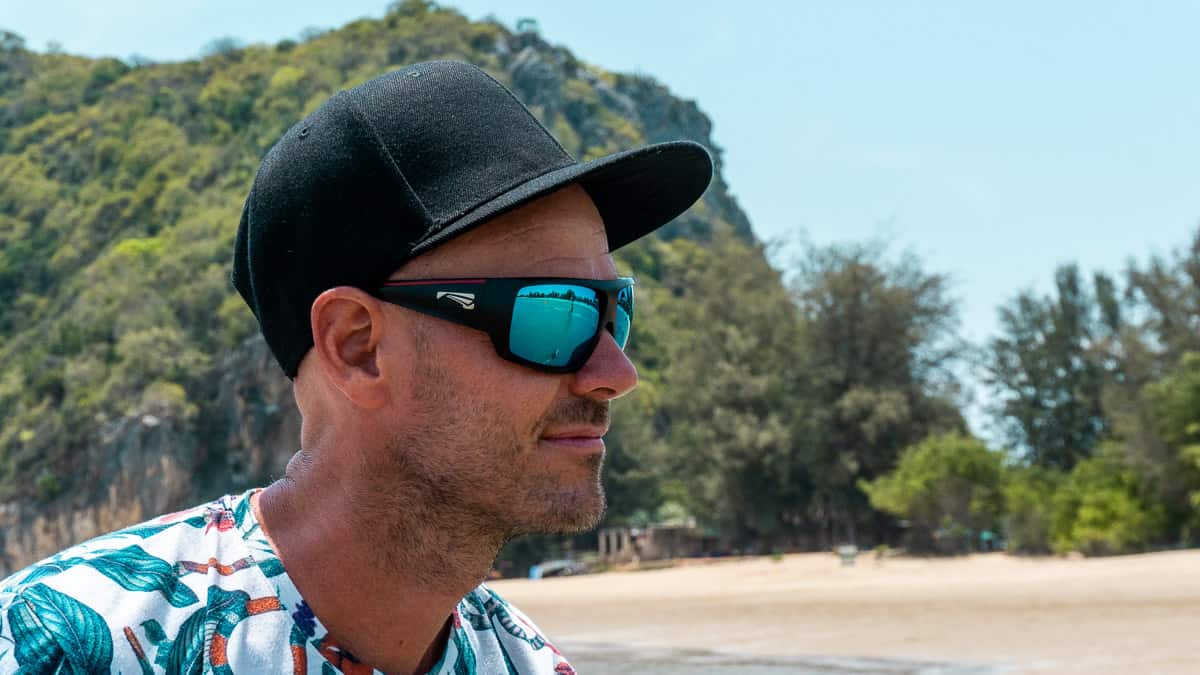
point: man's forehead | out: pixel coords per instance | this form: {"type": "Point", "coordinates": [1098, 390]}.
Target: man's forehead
{"type": "Point", "coordinates": [539, 225]}
{"type": "Point", "coordinates": [560, 230]}
{"type": "Point", "coordinates": [565, 213]}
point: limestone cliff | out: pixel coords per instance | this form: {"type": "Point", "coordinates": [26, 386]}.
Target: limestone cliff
{"type": "Point", "coordinates": [146, 465]}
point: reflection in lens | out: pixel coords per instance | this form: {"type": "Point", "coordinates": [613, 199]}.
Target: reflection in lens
{"type": "Point", "coordinates": [624, 316]}
{"type": "Point", "coordinates": [551, 321]}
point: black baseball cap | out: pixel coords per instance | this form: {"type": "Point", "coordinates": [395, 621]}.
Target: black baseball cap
{"type": "Point", "coordinates": [397, 165]}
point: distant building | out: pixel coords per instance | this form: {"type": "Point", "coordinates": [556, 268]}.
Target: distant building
{"type": "Point", "coordinates": [527, 25]}
{"type": "Point", "coordinates": [619, 545]}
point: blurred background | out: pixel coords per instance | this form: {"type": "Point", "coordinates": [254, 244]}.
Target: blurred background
{"type": "Point", "coordinates": [920, 365]}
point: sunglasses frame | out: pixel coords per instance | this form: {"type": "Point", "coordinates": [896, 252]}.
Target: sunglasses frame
{"type": "Point", "coordinates": [487, 304]}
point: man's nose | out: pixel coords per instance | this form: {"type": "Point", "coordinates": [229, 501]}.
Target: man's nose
{"type": "Point", "coordinates": [607, 374]}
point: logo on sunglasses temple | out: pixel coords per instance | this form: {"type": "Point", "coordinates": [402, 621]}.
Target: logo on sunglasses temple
{"type": "Point", "coordinates": [464, 300]}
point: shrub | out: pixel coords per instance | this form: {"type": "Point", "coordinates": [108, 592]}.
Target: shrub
{"type": "Point", "coordinates": [1028, 505]}
{"type": "Point", "coordinates": [48, 485]}
{"type": "Point", "coordinates": [1098, 510]}
{"type": "Point", "coordinates": [948, 486]}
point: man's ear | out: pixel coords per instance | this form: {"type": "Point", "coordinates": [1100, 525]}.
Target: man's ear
{"type": "Point", "coordinates": [347, 327]}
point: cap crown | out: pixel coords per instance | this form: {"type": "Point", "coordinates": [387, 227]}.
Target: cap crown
{"type": "Point", "coordinates": [347, 193]}
{"type": "Point", "coordinates": [455, 134]}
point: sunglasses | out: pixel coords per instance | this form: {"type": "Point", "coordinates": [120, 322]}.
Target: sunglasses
{"type": "Point", "coordinates": [551, 324]}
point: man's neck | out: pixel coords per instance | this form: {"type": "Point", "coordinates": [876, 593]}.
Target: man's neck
{"type": "Point", "coordinates": [357, 569]}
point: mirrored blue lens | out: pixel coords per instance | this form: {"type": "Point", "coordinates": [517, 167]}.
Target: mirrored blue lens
{"type": "Point", "coordinates": [624, 316]}
{"type": "Point", "coordinates": [550, 322]}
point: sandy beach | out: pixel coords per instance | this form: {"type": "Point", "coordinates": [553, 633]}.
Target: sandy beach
{"type": "Point", "coordinates": [983, 613]}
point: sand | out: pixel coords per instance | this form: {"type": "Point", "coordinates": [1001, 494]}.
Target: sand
{"type": "Point", "coordinates": [1128, 614]}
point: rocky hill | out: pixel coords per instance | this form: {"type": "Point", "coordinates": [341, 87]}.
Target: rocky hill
{"type": "Point", "coordinates": [131, 378]}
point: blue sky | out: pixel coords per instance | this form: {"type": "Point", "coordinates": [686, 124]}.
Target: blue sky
{"type": "Point", "coordinates": [996, 140]}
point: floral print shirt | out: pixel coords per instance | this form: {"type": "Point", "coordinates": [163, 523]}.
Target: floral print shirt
{"type": "Point", "coordinates": [202, 591]}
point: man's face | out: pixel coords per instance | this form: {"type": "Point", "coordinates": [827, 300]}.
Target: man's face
{"type": "Point", "coordinates": [509, 448]}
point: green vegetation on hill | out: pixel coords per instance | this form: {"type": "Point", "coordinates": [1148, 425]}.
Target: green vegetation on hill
{"type": "Point", "coordinates": [781, 410]}
{"type": "Point", "coordinates": [120, 190]}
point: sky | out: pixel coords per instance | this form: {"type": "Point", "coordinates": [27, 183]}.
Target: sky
{"type": "Point", "coordinates": [994, 140]}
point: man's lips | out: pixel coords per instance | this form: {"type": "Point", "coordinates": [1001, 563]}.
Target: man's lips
{"type": "Point", "coordinates": [588, 439]}
{"type": "Point", "coordinates": [576, 432]}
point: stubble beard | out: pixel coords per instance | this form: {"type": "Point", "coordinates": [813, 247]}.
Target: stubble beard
{"type": "Point", "coordinates": [450, 493]}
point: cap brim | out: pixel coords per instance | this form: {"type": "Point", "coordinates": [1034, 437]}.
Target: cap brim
{"type": "Point", "coordinates": [636, 191]}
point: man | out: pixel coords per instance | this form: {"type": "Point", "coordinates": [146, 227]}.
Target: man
{"type": "Point", "coordinates": [433, 270]}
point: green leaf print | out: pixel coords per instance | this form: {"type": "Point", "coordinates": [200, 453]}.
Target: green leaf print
{"type": "Point", "coordinates": [32, 643]}
{"type": "Point", "coordinates": [49, 569]}
{"type": "Point", "coordinates": [465, 663]}
{"type": "Point", "coordinates": [271, 567]}
{"type": "Point", "coordinates": [138, 651]}
{"type": "Point", "coordinates": [473, 612]}
{"type": "Point", "coordinates": [154, 631]}
{"type": "Point", "coordinates": [3, 652]}
{"type": "Point", "coordinates": [186, 655]}
{"type": "Point", "coordinates": [239, 514]}
{"type": "Point", "coordinates": [55, 633]}
{"type": "Point", "coordinates": [499, 610]}
{"type": "Point", "coordinates": [136, 570]}
{"type": "Point", "coordinates": [131, 567]}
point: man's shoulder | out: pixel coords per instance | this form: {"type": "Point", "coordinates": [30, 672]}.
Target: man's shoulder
{"type": "Point", "coordinates": [108, 547]}
{"type": "Point", "coordinates": [484, 601]}
{"type": "Point", "coordinates": [488, 622]}
{"type": "Point", "coordinates": [167, 539]}
{"type": "Point", "coordinates": [129, 590]}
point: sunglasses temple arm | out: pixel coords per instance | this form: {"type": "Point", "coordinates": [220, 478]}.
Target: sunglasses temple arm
{"type": "Point", "coordinates": [459, 303]}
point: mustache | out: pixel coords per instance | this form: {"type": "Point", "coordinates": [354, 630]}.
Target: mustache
{"type": "Point", "coordinates": [579, 411]}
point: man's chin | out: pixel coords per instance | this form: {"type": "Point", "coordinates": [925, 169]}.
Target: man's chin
{"type": "Point", "coordinates": [566, 512]}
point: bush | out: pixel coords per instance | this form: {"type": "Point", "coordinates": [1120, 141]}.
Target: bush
{"type": "Point", "coordinates": [166, 399]}
{"type": "Point", "coordinates": [48, 485]}
{"type": "Point", "coordinates": [1098, 510]}
{"type": "Point", "coordinates": [949, 487]}
{"type": "Point", "coordinates": [1028, 504]}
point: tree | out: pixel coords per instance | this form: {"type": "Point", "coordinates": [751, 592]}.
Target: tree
{"type": "Point", "coordinates": [731, 390]}
{"type": "Point", "coordinates": [221, 46]}
{"type": "Point", "coordinates": [1167, 290]}
{"type": "Point", "coordinates": [1150, 398]}
{"type": "Point", "coordinates": [1175, 401]}
{"type": "Point", "coordinates": [879, 340]}
{"type": "Point", "coordinates": [1047, 383]}
{"type": "Point", "coordinates": [11, 42]}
